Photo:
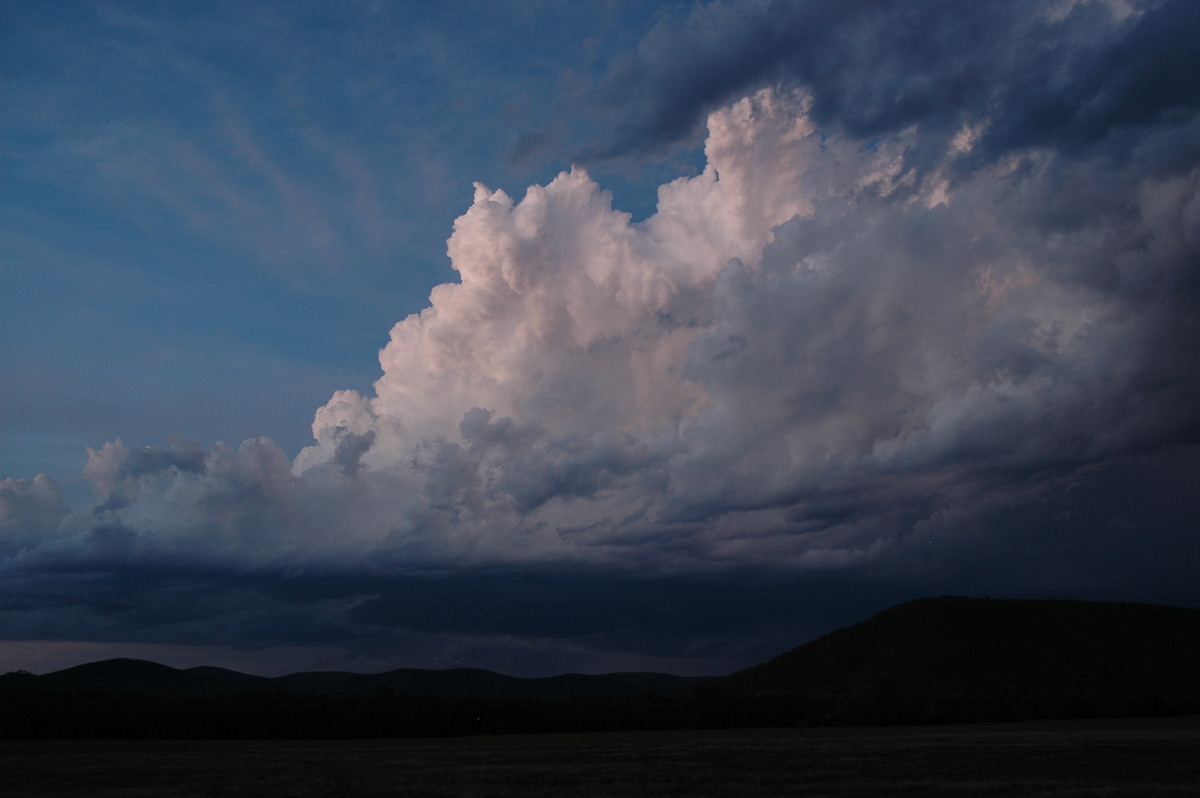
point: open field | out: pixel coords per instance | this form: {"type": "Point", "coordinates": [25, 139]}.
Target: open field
{"type": "Point", "coordinates": [1158, 757]}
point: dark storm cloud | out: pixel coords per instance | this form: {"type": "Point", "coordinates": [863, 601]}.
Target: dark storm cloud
{"type": "Point", "coordinates": [1039, 74]}
{"type": "Point", "coordinates": [1128, 529]}
{"type": "Point", "coordinates": [191, 605]}
{"type": "Point", "coordinates": [573, 614]}
{"type": "Point", "coordinates": [350, 450]}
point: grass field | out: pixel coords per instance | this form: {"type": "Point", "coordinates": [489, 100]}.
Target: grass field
{"type": "Point", "coordinates": [1077, 758]}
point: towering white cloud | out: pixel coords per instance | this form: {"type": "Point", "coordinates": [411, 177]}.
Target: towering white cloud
{"type": "Point", "coordinates": [569, 317]}
{"type": "Point", "coordinates": [810, 325]}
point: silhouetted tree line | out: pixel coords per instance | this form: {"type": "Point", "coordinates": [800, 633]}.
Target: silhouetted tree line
{"type": "Point", "coordinates": [29, 712]}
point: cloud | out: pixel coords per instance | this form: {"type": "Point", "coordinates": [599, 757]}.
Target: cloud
{"type": "Point", "coordinates": [787, 363]}
{"type": "Point", "coordinates": [898, 330]}
{"type": "Point", "coordinates": [31, 512]}
{"type": "Point", "coordinates": [1026, 73]}
{"type": "Point", "coordinates": [801, 329]}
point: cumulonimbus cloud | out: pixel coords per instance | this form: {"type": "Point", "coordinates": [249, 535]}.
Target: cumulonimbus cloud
{"type": "Point", "coordinates": [803, 350]}
{"type": "Point", "coordinates": [817, 345]}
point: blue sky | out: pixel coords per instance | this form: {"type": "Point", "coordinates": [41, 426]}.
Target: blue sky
{"type": "Point", "coordinates": [590, 336]}
{"type": "Point", "coordinates": [213, 213]}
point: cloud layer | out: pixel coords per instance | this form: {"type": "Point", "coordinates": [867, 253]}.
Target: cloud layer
{"type": "Point", "coordinates": [807, 327]}
{"type": "Point", "coordinates": [1066, 74]}
{"type": "Point", "coordinates": [907, 301]}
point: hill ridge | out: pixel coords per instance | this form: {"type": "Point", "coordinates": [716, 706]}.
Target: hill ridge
{"type": "Point", "coordinates": [133, 675]}
{"type": "Point", "coordinates": [1006, 658]}
{"type": "Point", "coordinates": [931, 660]}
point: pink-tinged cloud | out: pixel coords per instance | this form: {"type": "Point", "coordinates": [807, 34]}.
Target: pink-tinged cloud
{"type": "Point", "coordinates": [806, 322]}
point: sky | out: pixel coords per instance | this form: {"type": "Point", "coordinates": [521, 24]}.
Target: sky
{"type": "Point", "coordinates": [587, 337]}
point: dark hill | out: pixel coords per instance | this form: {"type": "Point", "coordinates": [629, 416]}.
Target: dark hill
{"type": "Point", "coordinates": [141, 676]}
{"type": "Point", "coordinates": [965, 659]}
{"type": "Point", "coordinates": [461, 682]}
{"type": "Point", "coordinates": [151, 678]}
{"type": "Point", "coordinates": [449, 682]}
{"type": "Point", "coordinates": [223, 677]}
{"type": "Point", "coordinates": [942, 660]}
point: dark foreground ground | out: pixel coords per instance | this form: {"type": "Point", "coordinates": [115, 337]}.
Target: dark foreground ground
{"type": "Point", "coordinates": [1078, 758]}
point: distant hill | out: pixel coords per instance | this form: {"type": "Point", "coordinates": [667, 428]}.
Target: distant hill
{"type": "Point", "coordinates": [141, 676]}
{"type": "Point", "coordinates": [151, 678]}
{"type": "Point", "coordinates": [963, 659]}
{"type": "Point", "coordinates": [937, 660]}
{"type": "Point", "coordinates": [136, 699]}
{"type": "Point", "coordinates": [461, 682]}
